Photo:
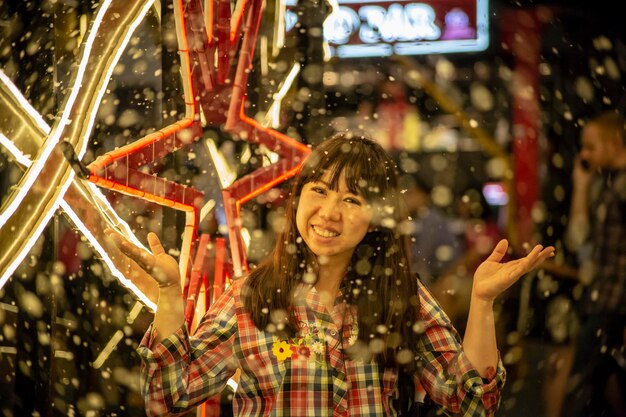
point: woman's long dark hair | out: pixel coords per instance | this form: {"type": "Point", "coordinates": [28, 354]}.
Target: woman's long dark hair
{"type": "Point", "coordinates": [379, 281]}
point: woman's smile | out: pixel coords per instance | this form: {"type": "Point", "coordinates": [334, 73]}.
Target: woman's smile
{"type": "Point", "coordinates": [324, 232]}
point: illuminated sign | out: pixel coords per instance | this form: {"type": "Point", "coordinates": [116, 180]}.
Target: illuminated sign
{"type": "Point", "coordinates": [383, 28]}
{"type": "Point", "coordinates": [495, 193]}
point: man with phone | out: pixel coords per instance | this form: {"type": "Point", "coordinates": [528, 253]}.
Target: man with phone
{"type": "Point", "coordinates": [598, 221]}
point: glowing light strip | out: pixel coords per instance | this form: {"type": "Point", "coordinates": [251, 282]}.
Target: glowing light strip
{"type": "Point", "coordinates": [64, 354]}
{"type": "Point", "coordinates": [112, 216]}
{"type": "Point", "coordinates": [225, 173]}
{"type": "Point", "coordinates": [152, 138]}
{"type": "Point", "coordinates": [273, 114]}
{"type": "Point", "coordinates": [117, 336]}
{"type": "Point", "coordinates": [134, 312]}
{"type": "Point", "coordinates": [105, 256]}
{"type": "Point", "coordinates": [116, 57]}
{"type": "Point", "coordinates": [263, 58]}
{"type": "Point", "coordinates": [350, 51]}
{"type": "Point", "coordinates": [191, 228]}
{"type": "Point", "coordinates": [17, 154]}
{"type": "Point", "coordinates": [24, 103]}
{"type": "Point", "coordinates": [267, 186]}
{"type": "Point", "coordinates": [208, 18]}
{"type": "Point", "coordinates": [290, 142]}
{"type": "Point", "coordinates": [97, 197]}
{"type": "Point", "coordinates": [30, 243]}
{"type": "Point", "coordinates": [191, 219]}
{"type": "Point", "coordinates": [236, 19]}
{"type": "Point", "coordinates": [106, 352]}
{"type": "Point", "coordinates": [20, 157]}
{"type": "Point", "coordinates": [245, 236]}
{"type": "Point", "coordinates": [183, 48]}
{"type": "Point", "coordinates": [272, 157]}
{"type": "Point", "coordinates": [54, 137]}
{"type": "Point", "coordinates": [206, 209]}
{"type": "Point", "coordinates": [195, 292]}
{"type": "Point", "coordinates": [279, 28]}
{"type": "Point", "coordinates": [163, 201]}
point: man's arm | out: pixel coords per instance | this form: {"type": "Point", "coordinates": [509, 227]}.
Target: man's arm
{"type": "Point", "coordinates": [578, 225]}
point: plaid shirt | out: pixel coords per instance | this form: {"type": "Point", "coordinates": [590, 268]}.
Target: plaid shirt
{"type": "Point", "coordinates": [308, 375]}
{"type": "Point", "coordinates": [608, 220]}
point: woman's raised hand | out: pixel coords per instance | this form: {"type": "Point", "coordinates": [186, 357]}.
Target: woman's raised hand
{"type": "Point", "coordinates": [161, 266]}
{"type": "Point", "coordinates": [493, 277]}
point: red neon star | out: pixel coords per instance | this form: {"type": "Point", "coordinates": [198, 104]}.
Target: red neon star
{"type": "Point", "coordinates": [211, 75]}
{"type": "Point", "coordinates": [222, 101]}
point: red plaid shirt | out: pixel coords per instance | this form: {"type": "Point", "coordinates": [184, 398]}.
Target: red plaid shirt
{"type": "Point", "coordinates": [308, 375]}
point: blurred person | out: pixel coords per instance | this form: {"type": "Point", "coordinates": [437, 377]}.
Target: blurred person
{"type": "Point", "coordinates": [479, 233]}
{"type": "Point", "coordinates": [598, 223]}
{"type": "Point", "coordinates": [398, 119]}
{"type": "Point", "coordinates": [333, 320]}
{"type": "Point", "coordinates": [434, 244]}
{"type": "Point", "coordinates": [390, 118]}
{"type": "Point", "coordinates": [479, 227]}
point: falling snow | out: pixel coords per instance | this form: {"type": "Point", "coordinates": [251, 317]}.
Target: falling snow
{"type": "Point", "coordinates": [446, 119]}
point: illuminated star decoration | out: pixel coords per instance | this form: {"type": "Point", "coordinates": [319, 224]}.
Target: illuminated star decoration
{"type": "Point", "coordinates": [222, 86]}
{"type": "Point", "coordinates": [209, 73]}
{"type": "Point", "coordinates": [118, 169]}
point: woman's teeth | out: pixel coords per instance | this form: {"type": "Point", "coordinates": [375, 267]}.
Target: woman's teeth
{"type": "Point", "coordinates": [324, 233]}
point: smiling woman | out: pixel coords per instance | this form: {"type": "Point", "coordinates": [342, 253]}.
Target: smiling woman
{"type": "Point", "coordinates": [332, 222]}
{"type": "Point", "coordinates": [333, 322]}
{"type": "Point", "coordinates": [346, 228]}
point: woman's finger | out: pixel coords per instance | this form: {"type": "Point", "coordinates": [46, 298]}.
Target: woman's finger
{"type": "Point", "coordinates": [534, 252]}
{"type": "Point", "coordinates": [537, 255]}
{"type": "Point", "coordinates": [143, 258]}
{"type": "Point", "coordinates": [499, 251]}
{"type": "Point", "coordinates": [155, 244]}
{"type": "Point", "coordinates": [543, 255]}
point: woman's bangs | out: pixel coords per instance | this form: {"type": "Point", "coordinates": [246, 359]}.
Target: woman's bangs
{"type": "Point", "coordinates": [365, 171]}
{"type": "Point", "coordinates": [364, 179]}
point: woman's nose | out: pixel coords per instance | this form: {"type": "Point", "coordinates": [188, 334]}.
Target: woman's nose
{"type": "Point", "coordinates": [329, 209]}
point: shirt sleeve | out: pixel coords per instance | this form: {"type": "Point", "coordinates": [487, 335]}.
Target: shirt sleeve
{"type": "Point", "coordinates": [181, 372]}
{"type": "Point", "coordinates": [446, 374]}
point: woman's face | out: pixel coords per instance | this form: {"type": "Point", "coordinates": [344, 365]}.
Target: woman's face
{"type": "Point", "coordinates": [332, 223]}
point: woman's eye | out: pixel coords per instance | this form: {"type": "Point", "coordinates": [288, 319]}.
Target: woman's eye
{"type": "Point", "coordinates": [318, 190]}
{"type": "Point", "coordinates": [352, 200]}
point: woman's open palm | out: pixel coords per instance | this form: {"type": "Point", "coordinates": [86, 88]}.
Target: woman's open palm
{"type": "Point", "coordinates": [493, 277]}
{"type": "Point", "coordinates": [161, 266]}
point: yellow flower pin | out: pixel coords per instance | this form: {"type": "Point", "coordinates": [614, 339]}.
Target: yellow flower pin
{"type": "Point", "coordinates": [282, 350]}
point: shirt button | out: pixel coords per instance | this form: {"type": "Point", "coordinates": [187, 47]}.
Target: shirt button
{"type": "Point", "coordinates": [333, 332]}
